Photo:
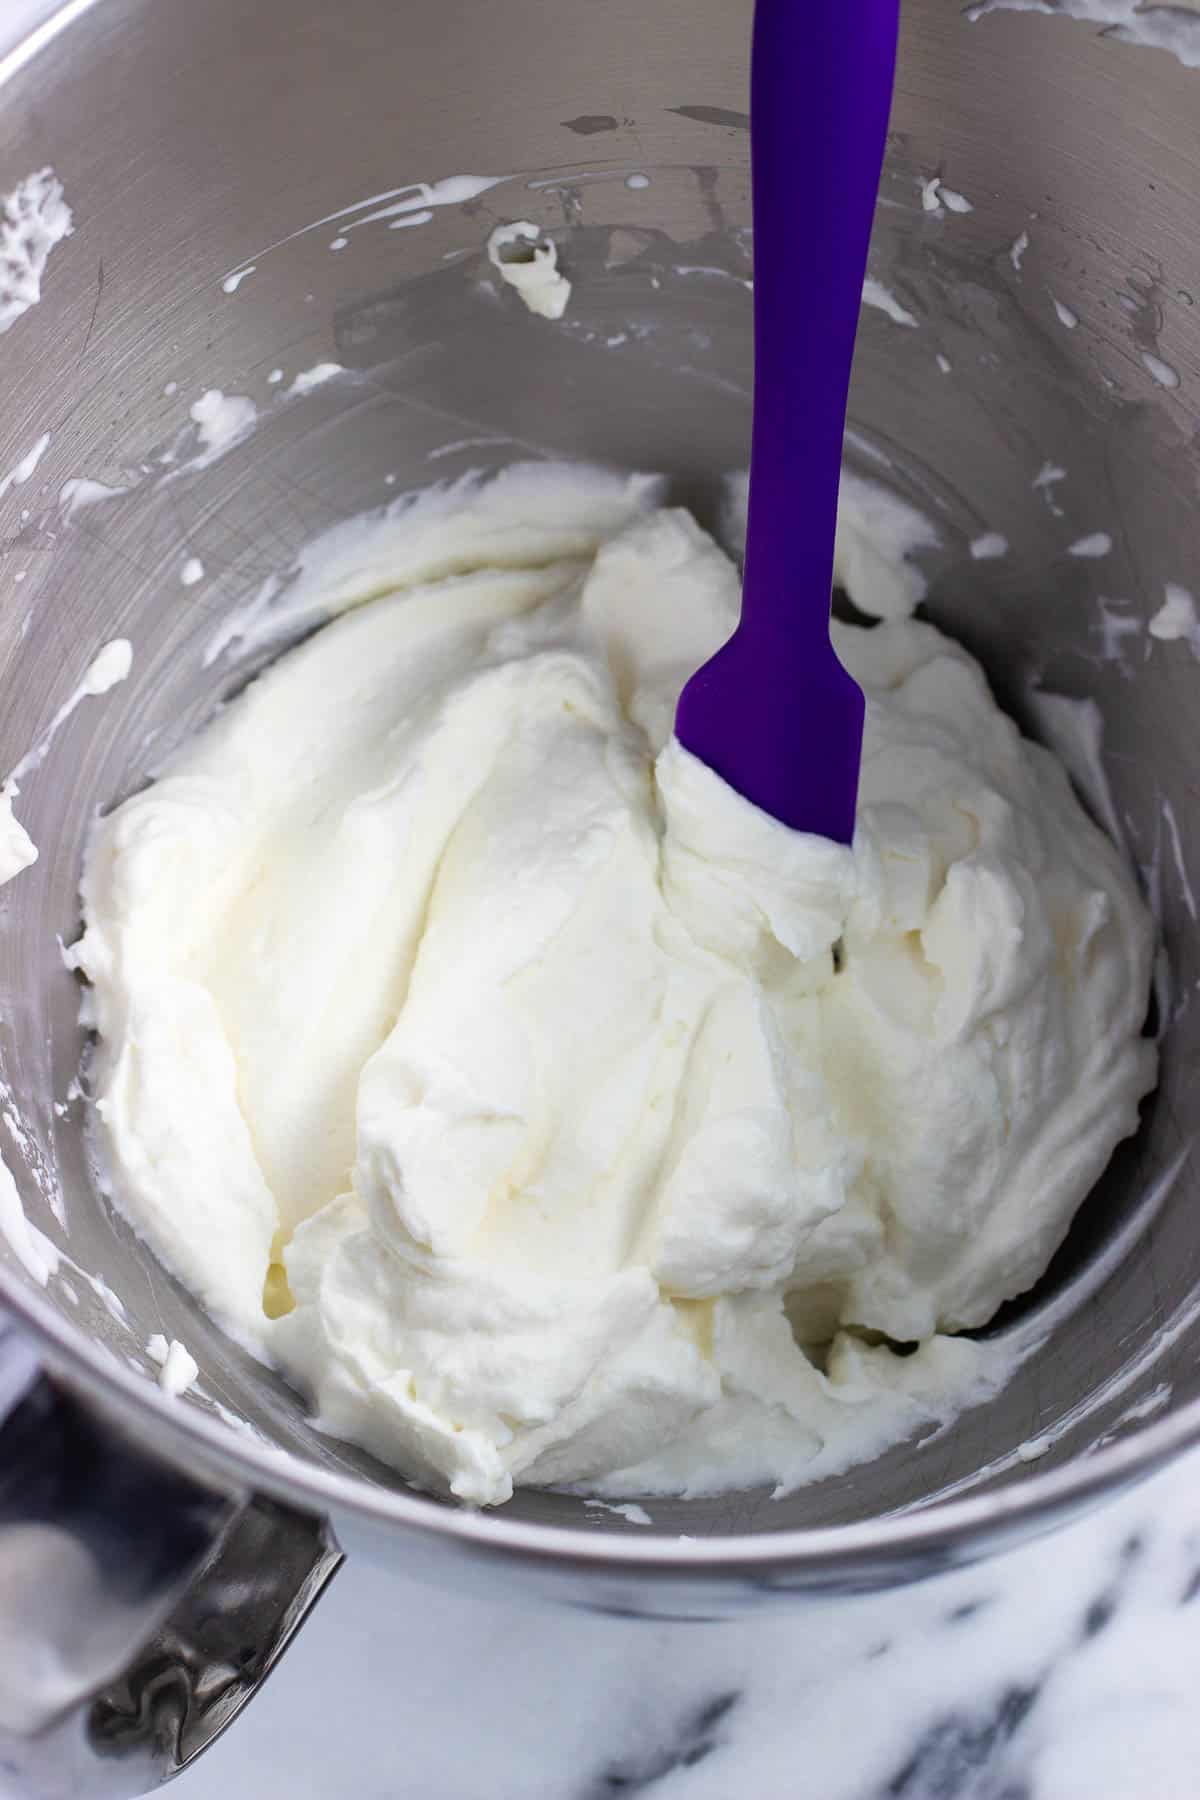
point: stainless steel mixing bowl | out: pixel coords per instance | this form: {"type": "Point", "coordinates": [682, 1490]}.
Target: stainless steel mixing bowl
{"type": "Point", "coordinates": [196, 139]}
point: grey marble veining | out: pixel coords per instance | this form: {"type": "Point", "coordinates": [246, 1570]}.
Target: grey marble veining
{"type": "Point", "coordinates": [1064, 1671]}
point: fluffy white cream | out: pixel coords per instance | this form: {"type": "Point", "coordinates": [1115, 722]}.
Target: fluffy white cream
{"type": "Point", "coordinates": [572, 1120]}
{"type": "Point", "coordinates": [528, 261]}
{"type": "Point", "coordinates": [17, 849]}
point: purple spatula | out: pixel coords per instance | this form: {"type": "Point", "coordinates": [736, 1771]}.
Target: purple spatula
{"type": "Point", "coordinates": [773, 712]}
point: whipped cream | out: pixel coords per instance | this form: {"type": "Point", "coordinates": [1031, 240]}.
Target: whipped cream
{"type": "Point", "coordinates": [17, 849]}
{"type": "Point", "coordinates": [177, 1367]}
{"type": "Point", "coordinates": [33, 219]}
{"type": "Point", "coordinates": [528, 261]}
{"type": "Point", "coordinates": [549, 1113]}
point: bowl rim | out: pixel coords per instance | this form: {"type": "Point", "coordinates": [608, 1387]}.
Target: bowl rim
{"type": "Point", "coordinates": [203, 1446]}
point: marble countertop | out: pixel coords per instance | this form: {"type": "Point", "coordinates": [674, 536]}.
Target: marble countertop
{"type": "Point", "coordinates": [1063, 1671]}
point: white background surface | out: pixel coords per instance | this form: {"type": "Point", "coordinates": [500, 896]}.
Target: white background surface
{"type": "Point", "coordinates": [1064, 1672]}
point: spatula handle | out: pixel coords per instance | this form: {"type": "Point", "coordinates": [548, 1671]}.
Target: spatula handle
{"type": "Point", "coordinates": [821, 85]}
